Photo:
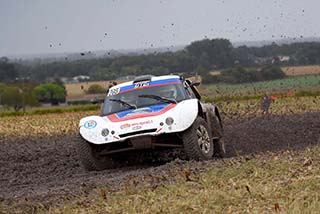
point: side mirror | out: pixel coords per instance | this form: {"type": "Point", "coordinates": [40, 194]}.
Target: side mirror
{"type": "Point", "coordinates": [194, 89]}
{"type": "Point", "coordinates": [195, 83]}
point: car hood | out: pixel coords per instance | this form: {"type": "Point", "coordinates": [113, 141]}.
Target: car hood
{"type": "Point", "coordinates": [149, 120]}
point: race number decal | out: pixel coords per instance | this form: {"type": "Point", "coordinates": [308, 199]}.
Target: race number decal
{"type": "Point", "coordinates": [113, 91]}
{"type": "Point", "coordinates": [141, 84]}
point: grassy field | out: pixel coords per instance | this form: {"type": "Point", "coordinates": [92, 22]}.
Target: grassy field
{"type": "Point", "coordinates": [51, 110]}
{"type": "Point", "coordinates": [251, 108]}
{"type": "Point", "coordinates": [290, 84]}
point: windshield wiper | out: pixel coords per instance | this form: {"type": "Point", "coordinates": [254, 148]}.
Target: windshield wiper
{"type": "Point", "coordinates": [156, 97]}
{"type": "Point", "coordinates": [124, 103]}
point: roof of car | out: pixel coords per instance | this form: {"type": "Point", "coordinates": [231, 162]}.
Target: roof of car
{"type": "Point", "coordinates": [153, 78]}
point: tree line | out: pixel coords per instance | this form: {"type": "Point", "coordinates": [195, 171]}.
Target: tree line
{"type": "Point", "coordinates": [20, 95]}
{"type": "Point", "coordinates": [204, 55]}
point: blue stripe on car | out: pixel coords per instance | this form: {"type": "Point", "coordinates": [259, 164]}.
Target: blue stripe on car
{"type": "Point", "coordinates": [143, 110]}
{"type": "Point", "coordinates": [156, 82]}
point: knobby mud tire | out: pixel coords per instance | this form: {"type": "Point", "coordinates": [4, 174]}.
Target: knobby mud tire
{"type": "Point", "coordinates": [90, 158]}
{"type": "Point", "coordinates": [191, 139]}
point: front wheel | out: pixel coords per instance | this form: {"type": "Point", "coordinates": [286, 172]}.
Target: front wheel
{"type": "Point", "coordinates": [197, 141]}
{"type": "Point", "coordinates": [90, 158]}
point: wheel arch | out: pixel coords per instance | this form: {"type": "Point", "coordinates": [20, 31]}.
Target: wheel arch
{"type": "Point", "coordinates": [201, 112]}
{"type": "Point", "coordinates": [217, 113]}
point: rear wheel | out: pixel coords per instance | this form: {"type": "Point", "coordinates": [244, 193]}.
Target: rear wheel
{"type": "Point", "coordinates": [90, 158]}
{"type": "Point", "coordinates": [197, 141]}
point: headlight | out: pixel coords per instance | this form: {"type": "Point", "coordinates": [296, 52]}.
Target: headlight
{"type": "Point", "coordinates": [169, 121]}
{"type": "Point", "coordinates": [104, 132]}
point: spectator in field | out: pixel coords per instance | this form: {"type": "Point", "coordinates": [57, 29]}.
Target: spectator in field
{"type": "Point", "coordinates": [265, 104]}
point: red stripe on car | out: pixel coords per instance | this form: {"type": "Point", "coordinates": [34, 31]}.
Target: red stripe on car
{"type": "Point", "coordinates": [114, 117]}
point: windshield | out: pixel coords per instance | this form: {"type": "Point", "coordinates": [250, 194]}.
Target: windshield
{"type": "Point", "coordinates": [144, 97]}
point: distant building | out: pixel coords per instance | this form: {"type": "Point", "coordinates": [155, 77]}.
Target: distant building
{"type": "Point", "coordinates": [284, 58]}
{"type": "Point", "coordinates": [76, 79]}
{"type": "Point", "coordinates": [280, 59]}
{"type": "Point", "coordinates": [81, 78]}
{"type": "Point", "coordinates": [67, 80]}
{"type": "Point", "coordinates": [262, 60]}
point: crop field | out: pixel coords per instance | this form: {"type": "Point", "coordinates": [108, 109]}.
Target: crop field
{"type": "Point", "coordinates": [77, 91]}
{"type": "Point", "coordinates": [291, 70]}
{"type": "Point", "coordinates": [301, 70]}
{"type": "Point", "coordinates": [290, 84]}
{"type": "Point", "coordinates": [272, 164]}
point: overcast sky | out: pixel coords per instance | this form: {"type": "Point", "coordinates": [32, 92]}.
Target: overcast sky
{"type": "Point", "coordinates": [52, 26]}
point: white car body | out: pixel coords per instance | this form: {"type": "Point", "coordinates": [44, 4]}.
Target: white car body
{"type": "Point", "coordinates": [145, 121]}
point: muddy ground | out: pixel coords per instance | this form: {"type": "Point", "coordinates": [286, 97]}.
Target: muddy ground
{"type": "Point", "coordinates": [47, 170]}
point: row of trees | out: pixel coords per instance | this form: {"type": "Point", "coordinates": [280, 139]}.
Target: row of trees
{"type": "Point", "coordinates": [204, 55]}
{"type": "Point", "coordinates": [240, 74]}
{"type": "Point", "coordinates": [19, 96]}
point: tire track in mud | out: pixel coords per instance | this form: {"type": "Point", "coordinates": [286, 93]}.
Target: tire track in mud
{"type": "Point", "coordinates": [47, 169]}
{"type": "Point", "coordinates": [273, 133]}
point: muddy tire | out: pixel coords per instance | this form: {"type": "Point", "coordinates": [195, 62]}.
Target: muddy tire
{"type": "Point", "coordinates": [218, 141]}
{"type": "Point", "coordinates": [90, 158]}
{"type": "Point", "coordinates": [197, 141]}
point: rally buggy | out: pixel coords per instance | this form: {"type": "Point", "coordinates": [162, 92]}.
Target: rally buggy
{"type": "Point", "coordinates": [151, 113]}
